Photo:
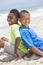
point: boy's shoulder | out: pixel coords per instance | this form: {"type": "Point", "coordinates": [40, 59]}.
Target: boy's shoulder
{"type": "Point", "coordinates": [15, 26]}
{"type": "Point", "coordinates": [24, 30]}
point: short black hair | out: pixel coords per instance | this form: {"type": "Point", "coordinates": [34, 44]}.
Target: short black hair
{"type": "Point", "coordinates": [23, 11]}
{"type": "Point", "coordinates": [16, 12]}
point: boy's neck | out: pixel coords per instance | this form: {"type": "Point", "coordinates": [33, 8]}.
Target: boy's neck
{"type": "Point", "coordinates": [24, 26]}
{"type": "Point", "coordinates": [14, 23]}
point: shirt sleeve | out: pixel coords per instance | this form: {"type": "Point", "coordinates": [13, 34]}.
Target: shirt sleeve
{"type": "Point", "coordinates": [26, 39]}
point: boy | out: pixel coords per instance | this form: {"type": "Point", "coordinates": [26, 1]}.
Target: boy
{"type": "Point", "coordinates": [29, 37]}
{"type": "Point", "coordinates": [15, 46]}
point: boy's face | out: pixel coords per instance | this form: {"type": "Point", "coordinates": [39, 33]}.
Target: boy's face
{"type": "Point", "coordinates": [12, 19]}
{"type": "Point", "coordinates": [25, 19]}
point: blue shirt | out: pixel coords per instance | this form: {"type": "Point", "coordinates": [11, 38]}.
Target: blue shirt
{"type": "Point", "coordinates": [30, 38]}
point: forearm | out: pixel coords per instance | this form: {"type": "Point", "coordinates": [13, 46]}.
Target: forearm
{"type": "Point", "coordinates": [36, 50]}
{"type": "Point", "coordinates": [17, 43]}
{"type": "Point", "coordinates": [17, 53]}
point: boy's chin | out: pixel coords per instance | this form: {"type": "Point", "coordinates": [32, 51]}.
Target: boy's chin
{"type": "Point", "coordinates": [26, 26]}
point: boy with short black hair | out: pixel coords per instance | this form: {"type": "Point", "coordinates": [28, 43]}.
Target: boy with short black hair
{"type": "Point", "coordinates": [31, 40]}
{"type": "Point", "coordinates": [12, 19]}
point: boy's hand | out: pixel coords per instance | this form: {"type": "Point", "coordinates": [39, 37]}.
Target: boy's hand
{"type": "Point", "coordinates": [4, 38]}
{"type": "Point", "coordinates": [18, 54]}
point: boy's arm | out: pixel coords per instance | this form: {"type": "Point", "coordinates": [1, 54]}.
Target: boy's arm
{"type": "Point", "coordinates": [17, 43]}
{"type": "Point", "coordinates": [29, 43]}
{"type": "Point", "coordinates": [36, 50]}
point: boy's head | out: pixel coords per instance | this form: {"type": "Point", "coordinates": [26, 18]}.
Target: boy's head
{"type": "Point", "coordinates": [25, 18]}
{"type": "Point", "coordinates": [13, 17]}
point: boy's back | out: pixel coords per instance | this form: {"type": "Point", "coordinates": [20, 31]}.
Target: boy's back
{"type": "Point", "coordinates": [14, 32]}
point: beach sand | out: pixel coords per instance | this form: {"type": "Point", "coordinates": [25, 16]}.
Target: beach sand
{"type": "Point", "coordinates": [7, 59]}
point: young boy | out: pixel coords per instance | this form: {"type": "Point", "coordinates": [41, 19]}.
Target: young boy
{"type": "Point", "coordinates": [15, 46]}
{"type": "Point", "coordinates": [29, 37]}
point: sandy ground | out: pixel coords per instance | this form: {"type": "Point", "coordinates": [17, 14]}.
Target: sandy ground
{"type": "Point", "coordinates": [7, 59]}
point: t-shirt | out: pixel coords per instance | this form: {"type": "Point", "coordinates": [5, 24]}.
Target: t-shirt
{"type": "Point", "coordinates": [14, 33]}
{"type": "Point", "coordinates": [30, 38]}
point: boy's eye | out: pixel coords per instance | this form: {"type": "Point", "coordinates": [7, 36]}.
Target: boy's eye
{"type": "Point", "coordinates": [25, 19]}
{"type": "Point", "coordinates": [10, 17]}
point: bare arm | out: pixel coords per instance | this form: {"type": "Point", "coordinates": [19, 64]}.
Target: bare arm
{"type": "Point", "coordinates": [17, 43]}
{"type": "Point", "coordinates": [36, 50]}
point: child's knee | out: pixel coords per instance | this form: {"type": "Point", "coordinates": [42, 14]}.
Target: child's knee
{"type": "Point", "coordinates": [2, 42]}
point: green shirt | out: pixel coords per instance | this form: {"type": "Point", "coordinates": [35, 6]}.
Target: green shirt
{"type": "Point", "coordinates": [14, 33]}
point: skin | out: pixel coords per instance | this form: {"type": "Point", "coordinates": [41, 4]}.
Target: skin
{"type": "Point", "coordinates": [2, 43]}
{"type": "Point", "coordinates": [25, 21]}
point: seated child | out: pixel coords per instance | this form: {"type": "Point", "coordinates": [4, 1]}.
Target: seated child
{"type": "Point", "coordinates": [15, 46]}
{"type": "Point", "coordinates": [31, 40]}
